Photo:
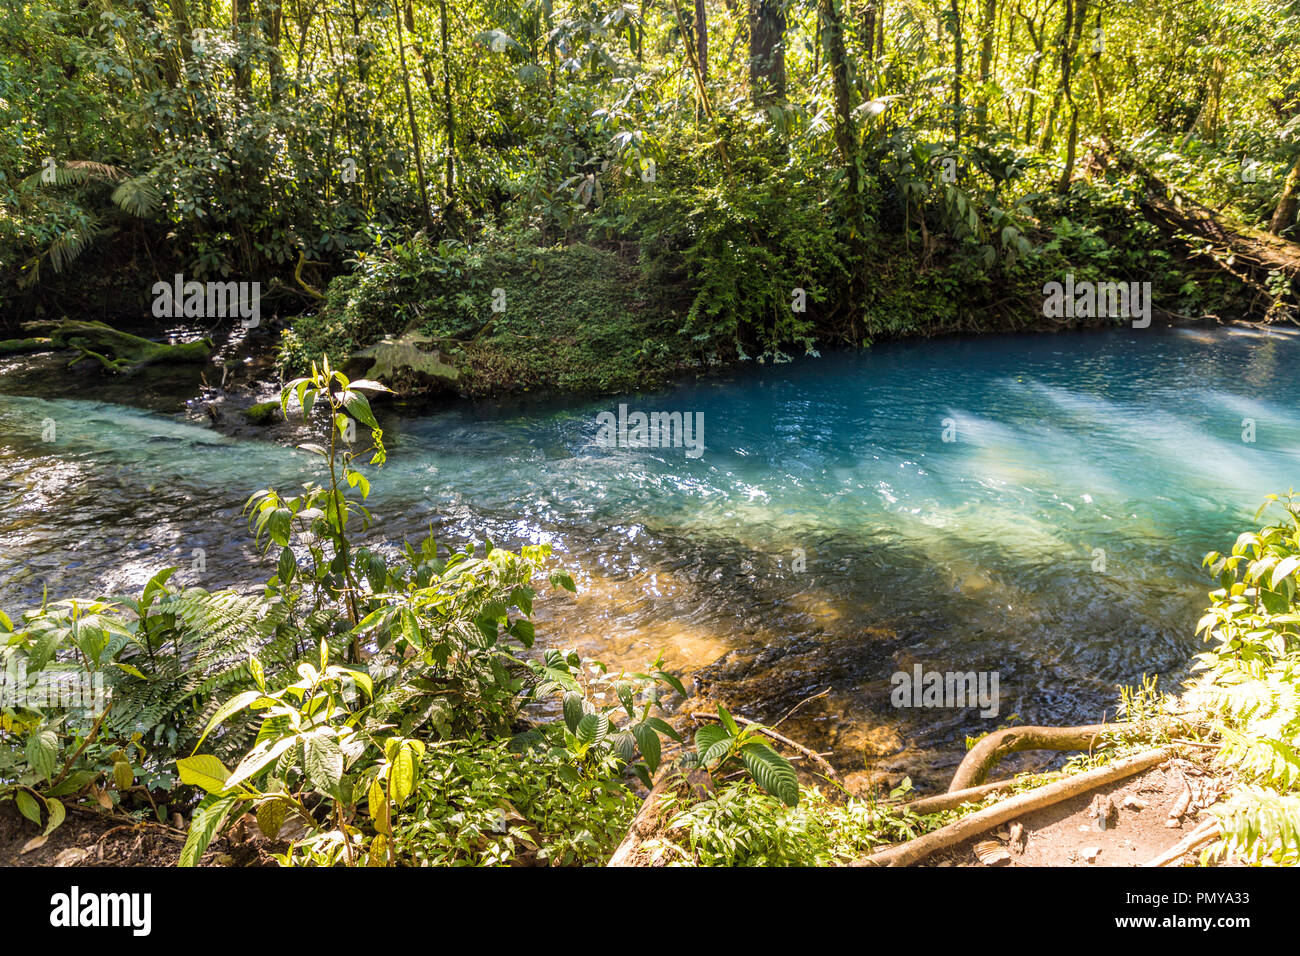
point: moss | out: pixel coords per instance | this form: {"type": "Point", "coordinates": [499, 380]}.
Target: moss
{"type": "Point", "coordinates": [263, 413]}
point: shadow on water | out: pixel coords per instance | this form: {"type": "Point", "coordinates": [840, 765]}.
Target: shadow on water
{"type": "Point", "coordinates": [830, 536]}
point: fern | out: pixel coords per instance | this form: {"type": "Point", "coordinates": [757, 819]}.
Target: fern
{"type": "Point", "coordinates": [197, 655]}
{"type": "Point", "coordinates": [139, 197]}
{"type": "Point", "coordinates": [1258, 826]}
{"type": "Point", "coordinates": [1251, 687]}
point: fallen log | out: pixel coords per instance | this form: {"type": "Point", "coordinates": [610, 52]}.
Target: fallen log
{"type": "Point", "coordinates": [122, 351]}
{"type": "Point", "coordinates": [905, 854]}
{"type": "Point", "coordinates": [23, 346]}
{"type": "Point", "coordinates": [986, 754]}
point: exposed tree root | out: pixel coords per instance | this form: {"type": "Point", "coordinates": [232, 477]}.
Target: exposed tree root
{"type": "Point", "coordinates": [955, 798]}
{"type": "Point", "coordinates": [986, 754]}
{"type": "Point", "coordinates": [905, 854]}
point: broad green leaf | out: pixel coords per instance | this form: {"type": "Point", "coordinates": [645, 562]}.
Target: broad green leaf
{"type": "Point", "coordinates": [28, 806]}
{"type": "Point", "coordinates": [401, 778]}
{"type": "Point", "coordinates": [323, 762]}
{"type": "Point", "coordinates": [204, 825]}
{"type": "Point", "coordinates": [204, 771]}
{"type": "Point", "coordinates": [772, 772]}
{"type": "Point", "coordinates": [648, 741]}
{"type": "Point", "coordinates": [57, 813]}
{"type": "Point", "coordinates": [592, 728]}
{"type": "Point", "coordinates": [270, 817]}
{"type": "Point", "coordinates": [42, 748]}
{"type": "Point", "coordinates": [573, 710]}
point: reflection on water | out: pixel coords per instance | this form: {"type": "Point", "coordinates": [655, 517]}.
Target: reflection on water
{"type": "Point", "coordinates": [828, 537]}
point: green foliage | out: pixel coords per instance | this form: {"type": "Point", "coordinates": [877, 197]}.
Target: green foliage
{"type": "Point", "coordinates": [1250, 679]}
{"type": "Point", "coordinates": [482, 802]}
{"type": "Point", "coordinates": [726, 745]}
{"type": "Point", "coordinates": [575, 318]}
{"type": "Point", "coordinates": [740, 825]}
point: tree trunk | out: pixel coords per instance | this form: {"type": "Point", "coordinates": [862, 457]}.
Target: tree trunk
{"type": "Point", "coordinates": [241, 12]}
{"type": "Point", "coordinates": [702, 38]}
{"type": "Point", "coordinates": [766, 51]}
{"type": "Point", "coordinates": [449, 109]}
{"type": "Point", "coordinates": [955, 13]}
{"type": "Point", "coordinates": [1284, 215]}
{"type": "Point", "coordinates": [427, 214]}
{"type": "Point", "coordinates": [846, 142]}
{"type": "Point", "coordinates": [988, 27]}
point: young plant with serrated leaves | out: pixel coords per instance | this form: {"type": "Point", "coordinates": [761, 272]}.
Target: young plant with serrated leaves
{"type": "Point", "coordinates": [727, 746]}
{"type": "Point", "coordinates": [309, 759]}
{"type": "Point", "coordinates": [318, 518]}
{"type": "Point", "coordinates": [609, 714]}
{"type": "Point", "coordinates": [448, 635]}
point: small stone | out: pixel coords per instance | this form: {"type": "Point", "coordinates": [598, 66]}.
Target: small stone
{"type": "Point", "coordinates": [1090, 853]}
{"type": "Point", "coordinates": [1133, 802]}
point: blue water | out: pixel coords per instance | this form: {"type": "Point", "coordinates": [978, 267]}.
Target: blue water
{"type": "Point", "coordinates": [828, 536]}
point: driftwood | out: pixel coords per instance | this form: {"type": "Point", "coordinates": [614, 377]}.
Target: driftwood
{"type": "Point", "coordinates": [648, 820]}
{"type": "Point", "coordinates": [905, 854]}
{"type": "Point", "coordinates": [1207, 831]}
{"type": "Point", "coordinates": [984, 756]}
{"type": "Point", "coordinates": [827, 770]}
{"type": "Point", "coordinates": [121, 351]}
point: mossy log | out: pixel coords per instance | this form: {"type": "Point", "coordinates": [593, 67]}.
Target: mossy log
{"type": "Point", "coordinates": [121, 351]}
{"type": "Point", "coordinates": [650, 820]}
{"type": "Point", "coordinates": [23, 346]}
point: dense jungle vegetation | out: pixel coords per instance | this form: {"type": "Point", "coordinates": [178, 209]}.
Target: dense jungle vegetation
{"type": "Point", "coordinates": [652, 186]}
{"type": "Point", "coordinates": [592, 197]}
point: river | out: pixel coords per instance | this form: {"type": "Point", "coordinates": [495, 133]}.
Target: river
{"type": "Point", "coordinates": [1030, 506]}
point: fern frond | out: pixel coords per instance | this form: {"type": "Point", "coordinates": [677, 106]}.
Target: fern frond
{"type": "Point", "coordinates": [78, 172]}
{"type": "Point", "coordinates": [138, 196]}
{"type": "Point", "coordinates": [1258, 826]}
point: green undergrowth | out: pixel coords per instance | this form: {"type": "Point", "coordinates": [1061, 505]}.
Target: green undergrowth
{"type": "Point", "coordinates": [566, 318]}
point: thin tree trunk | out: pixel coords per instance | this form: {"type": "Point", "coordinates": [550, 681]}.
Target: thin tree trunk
{"type": "Point", "coordinates": [1287, 207]}
{"type": "Point", "coordinates": [415, 128]}
{"type": "Point", "coordinates": [702, 38]}
{"type": "Point", "coordinates": [449, 108]}
{"type": "Point", "coordinates": [766, 51]}
{"type": "Point", "coordinates": [241, 12]}
{"type": "Point", "coordinates": [955, 12]}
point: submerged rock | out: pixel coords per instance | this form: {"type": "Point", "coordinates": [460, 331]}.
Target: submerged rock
{"type": "Point", "coordinates": [404, 364]}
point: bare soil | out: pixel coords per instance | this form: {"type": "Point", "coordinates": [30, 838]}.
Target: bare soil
{"type": "Point", "coordinates": [1137, 825]}
{"type": "Point", "coordinates": [92, 838]}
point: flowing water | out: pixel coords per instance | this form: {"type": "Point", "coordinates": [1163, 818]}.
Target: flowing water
{"type": "Point", "coordinates": [828, 537]}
